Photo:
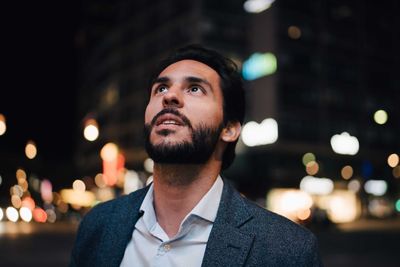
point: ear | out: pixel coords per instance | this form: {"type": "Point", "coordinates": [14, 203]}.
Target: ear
{"type": "Point", "coordinates": [230, 133]}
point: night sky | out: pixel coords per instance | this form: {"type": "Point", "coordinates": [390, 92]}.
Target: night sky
{"type": "Point", "coordinates": [39, 77]}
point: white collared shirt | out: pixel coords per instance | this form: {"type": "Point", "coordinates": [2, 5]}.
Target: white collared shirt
{"type": "Point", "coordinates": [151, 246]}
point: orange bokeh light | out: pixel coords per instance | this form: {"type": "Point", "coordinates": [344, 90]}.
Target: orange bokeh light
{"type": "Point", "coordinates": [29, 203]}
{"type": "Point", "coordinates": [39, 215]}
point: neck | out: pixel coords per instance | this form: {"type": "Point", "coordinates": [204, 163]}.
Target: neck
{"type": "Point", "coordinates": [177, 190]}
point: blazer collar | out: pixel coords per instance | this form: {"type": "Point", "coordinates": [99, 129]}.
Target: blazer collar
{"type": "Point", "coordinates": [118, 231]}
{"type": "Point", "coordinates": [227, 244]}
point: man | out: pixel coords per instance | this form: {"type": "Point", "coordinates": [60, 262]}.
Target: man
{"type": "Point", "coordinates": [189, 215]}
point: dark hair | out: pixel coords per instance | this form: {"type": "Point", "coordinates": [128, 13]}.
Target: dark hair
{"type": "Point", "coordinates": [231, 85]}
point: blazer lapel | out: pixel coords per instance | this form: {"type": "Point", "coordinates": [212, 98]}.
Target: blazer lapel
{"type": "Point", "coordinates": [227, 245]}
{"type": "Point", "coordinates": [119, 230]}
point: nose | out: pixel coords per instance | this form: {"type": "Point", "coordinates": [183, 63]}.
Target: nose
{"type": "Point", "coordinates": [173, 98]}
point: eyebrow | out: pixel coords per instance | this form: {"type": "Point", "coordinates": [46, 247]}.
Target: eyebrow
{"type": "Point", "coordinates": [189, 79]}
{"type": "Point", "coordinates": [161, 80]}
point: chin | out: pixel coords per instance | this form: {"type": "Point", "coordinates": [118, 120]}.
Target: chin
{"type": "Point", "coordinates": [167, 137]}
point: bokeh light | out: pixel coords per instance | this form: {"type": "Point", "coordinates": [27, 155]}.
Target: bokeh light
{"type": "Point", "coordinates": [380, 208]}
{"type": "Point", "coordinates": [78, 198]}
{"type": "Point", "coordinates": [396, 172]}
{"type": "Point", "coordinates": [345, 144]}
{"type": "Point", "coordinates": [99, 180]}
{"type": "Point", "coordinates": [308, 157]}
{"type": "Point", "coordinates": [254, 134]}
{"type": "Point", "coordinates": [51, 216]}
{"type": "Point", "coordinates": [148, 165]}
{"type": "Point", "coordinates": [79, 185]}
{"type": "Point", "coordinates": [397, 205]}
{"type": "Point", "coordinates": [46, 191]}
{"type": "Point", "coordinates": [347, 172]}
{"type": "Point", "coordinates": [132, 182]}
{"type": "Point", "coordinates": [28, 202]}
{"type": "Point", "coordinates": [393, 160]}
{"type": "Point", "coordinates": [303, 214]}
{"type": "Point", "coordinates": [20, 174]}
{"type": "Point", "coordinates": [259, 65]}
{"type": "Point", "coordinates": [34, 183]}
{"type": "Point", "coordinates": [316, 186]}
{"type": "Point", "coordinates": [16, 201]}
{"type": "Point", "coordinates": [1, 214]}
{"type": "Point", "coordinates": [257, 6]}
{"type": "Point", "coordinates": [3, 126]}
{"type": "Point", "coordinates": [25, 214]}
{"type": "Point", "coordinates": [39, 215]}
{"type": "Point", "coordinates": [376, 187]}
{"type": "Point", "coordinates": [312, 167]}
{"type": "Point", "coordinates": [17, 190]}
{"type": "Point", "coordinates": [294, 32]}
{"type": "Point", "coordinates": [288, 202]}
{"type": "Point", "coordinates": [342, 206]}
{"type": "Point", "coordinates": [380, 116]}
{"type": "Point", "coordinates": [91, 130]}
{"type": "Point", "coordinates": [23, 184]}
{"type": "Point", "coordinates": [354, 186]}
{"type": "Point", "coordinates": [12, 214]}
{"type": "Point", "coordinates": [30, 150]}
{"type": "Point", "coordinates": [109, 152]}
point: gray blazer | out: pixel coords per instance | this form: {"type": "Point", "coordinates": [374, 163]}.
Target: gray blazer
{"type": "Point", "coordinates": [243, 234]}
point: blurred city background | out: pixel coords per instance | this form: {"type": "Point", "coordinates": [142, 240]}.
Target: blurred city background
{"type": "Point", "coordinates": [320, 144]}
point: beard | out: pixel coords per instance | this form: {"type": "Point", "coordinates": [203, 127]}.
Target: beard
{"type": "Point", "coordinates": [196, 151]}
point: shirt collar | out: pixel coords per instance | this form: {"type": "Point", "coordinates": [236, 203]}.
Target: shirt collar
{"type": "Point", "coordinates": [149, 215]}
{"type": "Point", "coordinates": [206, 208]}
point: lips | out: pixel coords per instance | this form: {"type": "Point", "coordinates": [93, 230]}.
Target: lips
{"type": "Point", "coordinates": [169, 119]}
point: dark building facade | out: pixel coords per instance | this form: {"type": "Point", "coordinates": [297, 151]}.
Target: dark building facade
{"type": "Point", "coordinates": [121, 41]}
{"type": "Point", "coordinates": [337, 63]}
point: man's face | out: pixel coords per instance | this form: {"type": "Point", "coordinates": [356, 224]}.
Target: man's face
{"type": "Point", "coordinates": [184, 114]}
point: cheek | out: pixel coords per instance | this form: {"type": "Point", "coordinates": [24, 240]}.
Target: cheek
{"type": "Point", "coordinates": [211, 115]}
{"type": "Point", "coordinates": [149, 114]}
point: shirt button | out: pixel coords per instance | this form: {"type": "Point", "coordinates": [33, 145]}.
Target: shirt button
{"type": "Point", "coordinates": [167, 247]}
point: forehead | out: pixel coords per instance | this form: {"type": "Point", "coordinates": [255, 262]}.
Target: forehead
{"type": "Point", "coordinates": [189, 67]}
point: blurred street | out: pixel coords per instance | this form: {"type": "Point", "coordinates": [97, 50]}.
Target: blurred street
{"type": "Point", "coordinates": [33, 244]}
{"type": "Point", "coordinates": [364, 243]}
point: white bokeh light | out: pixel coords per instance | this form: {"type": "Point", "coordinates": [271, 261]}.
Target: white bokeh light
{"type": "Point", "coordinates": [12, 214]}
{"type": "Point", "coordinates": [25, 214]}
{"type": "Point", "coordinates": [316, 186]}
{"type": "Point", "coordinates": [375, 187]}
{"type": "Point", "coordinates": [254, 134]}
{"type": "Point", "coordinates": [345, 144]}
{"type": "Point", "coordinates": [257, 6]}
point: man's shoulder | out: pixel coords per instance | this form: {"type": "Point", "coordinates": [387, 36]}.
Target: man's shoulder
{"type": "Point", "coordinates": [275, 240]}
{"type": "Point", "coordinates": [263, 222]}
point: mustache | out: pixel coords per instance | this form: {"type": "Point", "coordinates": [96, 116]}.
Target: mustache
{"type": "Point", "coordinates": [173, 111]}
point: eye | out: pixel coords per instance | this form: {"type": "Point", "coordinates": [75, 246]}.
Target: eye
{"type": "Point", "coordinates": [195, 89]}
{"type": "Point", "coordinates": [161, 89]}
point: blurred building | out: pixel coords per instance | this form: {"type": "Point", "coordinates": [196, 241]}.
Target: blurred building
{"type": "Point", "coordinates": [120, 42]}
{"type": "Point", "coordinates": [337, 63]}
